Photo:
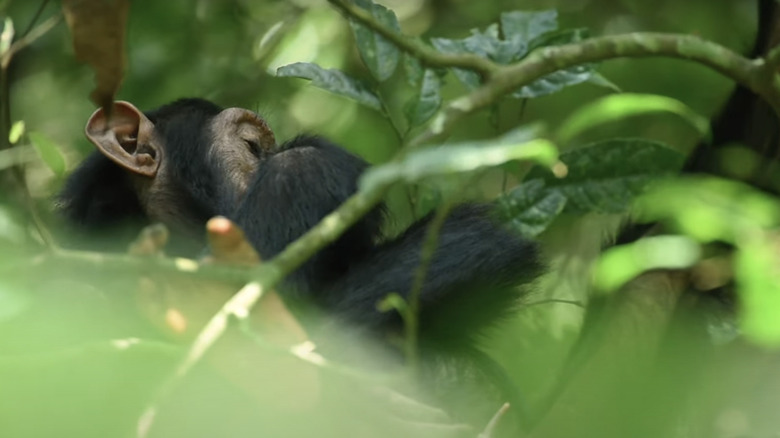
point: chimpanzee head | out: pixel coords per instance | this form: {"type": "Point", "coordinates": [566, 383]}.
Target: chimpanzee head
{"type": "Point", "coordinates": [186, 161]}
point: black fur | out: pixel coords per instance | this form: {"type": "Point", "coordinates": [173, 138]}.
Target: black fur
{"type": "Point", "coordinates": [470, 281]}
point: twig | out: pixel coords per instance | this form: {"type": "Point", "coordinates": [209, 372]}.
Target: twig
{"type": "Point", "coordinates": [235, 307]}
{"type": "Point", "coordinates": [412, 317]}
{"type": "Point", "coordinates": [493, 423]}
{"type": "Point", "coordinates": [35, 17]}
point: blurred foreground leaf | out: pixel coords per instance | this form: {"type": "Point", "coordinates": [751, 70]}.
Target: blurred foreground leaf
{"type": "Point", "coordinates": [620, 264]}
{"type": "Point", "coordinates": [464, 157]}
{"type": "Point", "coordinates": [622, 106]}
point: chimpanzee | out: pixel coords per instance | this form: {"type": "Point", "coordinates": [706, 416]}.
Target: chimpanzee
{"type": "Point", "coordinates": [190, 160]}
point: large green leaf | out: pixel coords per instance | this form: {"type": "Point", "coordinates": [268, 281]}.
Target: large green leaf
{"type": "Point", "coordinates": [426, 100]}
{"type": "Point", "coordinates": [606, 177]}
{"type": "Point", "coordinates": [530, 208]}
{"type": "Point", "coordinates": [334, 81]}
{"type": "Point", "coordinates": [379, 55]}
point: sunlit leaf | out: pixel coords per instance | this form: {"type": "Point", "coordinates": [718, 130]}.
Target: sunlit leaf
{"type": "Point", "coordinates": [621, 106]}
{"type": "Point", "coordinates": [619, 264]}
{"type": "Point", "coordinates": [465, 157]}
{"type": "Point", "coordinates": [530, 208]}
{"type": "Point", "coordinates": [379, 54]}
{"type": "Point", "coordinates": [709, 209]}
{"type": "Point", "coordinates": [49, 152]}
{"type": "Point", "coordinates": [335, 81]}
{"type": "Point", "coordinates": [607, 176]}
{"type": "Point", "coordinates": [758, 278]}
{"type": "Point", "coordinates": [17, 130]}
{"type": "Point", "coordinates": [426, 101]}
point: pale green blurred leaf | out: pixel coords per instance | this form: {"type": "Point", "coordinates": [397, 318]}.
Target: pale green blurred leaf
{"type": "Point", "coordinates": [758, 279]}
{"type": "Point", "coordinates": [335, 81]}
{"type": "Point", "coordinates": [622, 106]}
{"type": "Point", "coordinates": [379, 55]}
{"type": "Point", "coordinates": [17, 130]}
{"type": "Point", "coordinates": [13, 301]}
{"type": "Point", "coordinates": [619, 264]}
{"type": "Point", "coordinates": [709, 209]}
{"type": "Point", "coordinates": [607, 176]}
{"type": "Point", "coordinates": [49, 152]}
{"type": "Point", "coordinates": [464, 157]}
{"type": "Point", "coordinates": [600, 80]}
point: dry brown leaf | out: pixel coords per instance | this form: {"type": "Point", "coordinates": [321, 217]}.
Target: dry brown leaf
{"type": "Point", "coordinates": [98, 31]}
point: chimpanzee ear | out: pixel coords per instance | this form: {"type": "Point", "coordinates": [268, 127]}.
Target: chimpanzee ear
{"type": "Point", "coordinates": [126, 137]}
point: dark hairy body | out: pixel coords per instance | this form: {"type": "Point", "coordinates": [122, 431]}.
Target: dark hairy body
{"type": "Point", "coordinates": [190, 160]}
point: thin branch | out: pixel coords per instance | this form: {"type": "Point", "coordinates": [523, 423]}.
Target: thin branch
{"type": "Point", "coordinates": [235, 307]}
{"type": "Point", "coordinates": [490, 429]}
{"type": "Point", "coordinates": [423, 52]}
{"type": "Point", "coordinates": [412, 317]}
{"type": "Point", "coordinates": [28, 39]}
{"type": "Point", "coordinates": [35, 17]}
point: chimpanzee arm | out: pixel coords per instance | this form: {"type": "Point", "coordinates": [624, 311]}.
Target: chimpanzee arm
{"type": "Point", "coordinates": [291, 191]}
{"type": "Point", "coordinates": [470, 282]}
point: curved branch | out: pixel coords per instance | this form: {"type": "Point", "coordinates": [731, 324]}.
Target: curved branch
{"type": "Point", "coordinates": [546, 60]}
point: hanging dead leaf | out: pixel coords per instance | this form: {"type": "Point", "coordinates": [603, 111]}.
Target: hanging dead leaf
{"type": "Point", "coordinates": [98, 31]}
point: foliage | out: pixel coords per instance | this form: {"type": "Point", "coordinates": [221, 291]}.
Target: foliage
{"type": "Point", "coordinates": [563, 155]}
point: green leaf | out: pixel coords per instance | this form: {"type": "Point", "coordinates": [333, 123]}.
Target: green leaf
{"type": "Point", "coordinates": [528, 26]}
{"type": "Point", "coordinates": [710, 209]}
{"type": "Point", "coordinates": [466, 77]}
{"type": "Point", "coordinates": [464, 157]}
{"type": "Point", "coordinates": [414, 70]}
{"type": "Point", "coordinates": [17, 130]}
{"type": "Point", "coordinates": [49, 152]}
{"type": "Point", "coordinates": [426, 100]}
{"type": "Point", "coordinates": [600, 80]}
{"type": "Point", "coordinates": [379, 54]}
{"type": "Point", "coordinates": [607, 176]}
{"type": "Point", "coordinates": [530, 208]}
{"type": "Point", "coordinates": [621, 106]}
{"type": "Point", "coordinates": [758, 280]}
{"type": "Point", "coordinates": [620, 264]}
{"type": "Point", "coordinates": [335, 81]}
